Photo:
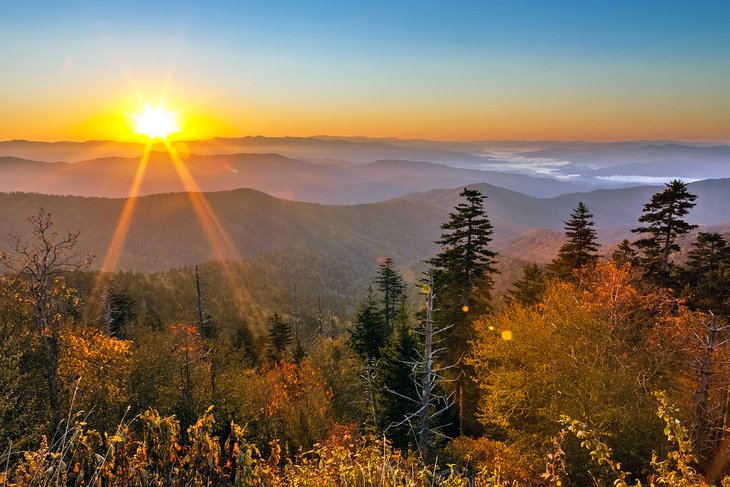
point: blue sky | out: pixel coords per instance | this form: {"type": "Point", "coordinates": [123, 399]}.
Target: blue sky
{"type": "Point", "coordinates": [380, 68]}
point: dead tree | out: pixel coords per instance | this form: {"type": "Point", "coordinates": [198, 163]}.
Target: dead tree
{"type": "Point", "coordinates": [199, 312]}
{"type": "Point", "coordinates": [206, 329]}
{"type": "Point", "coordinates": [428, 377]}
{"type": "Point", "coordinates": [711, 342]}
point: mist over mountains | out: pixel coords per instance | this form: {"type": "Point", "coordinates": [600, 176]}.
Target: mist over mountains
{"type": "Point", "coordinates": [305, 166]}
{"type": "Point", "coordinates": [274, 174]}
{"type": "Point", "coordinates": [355, 197]}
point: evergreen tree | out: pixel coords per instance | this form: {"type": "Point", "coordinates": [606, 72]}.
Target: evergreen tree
{"type": "Point", "coordinates": [281, 336]}
{"type": "Point", "coordinates": [625, 254]}
{"type": "Point", "coordinates": [298, 354]}
{"type": "Point", "coordinates": [462, 282]}
{"type": "Point", "coordinates": [463, 269]}
{"type": "Point", "coordinates": [709, 251]}
{"type": "Point", "coordinates": [369, 333]}
{"type": "Point", "coordinates": [392, 287]}
{"type": "Point", "coordinates": [528, 289]}
{"type": "Point", "coordinates": [243, 341]}
{"type": "Point", "coordinates": [367, 339]}
{"type": "Point", "coordinates": [122, 311]}
{"type": "Point", "coordinates": [707, 276]}
{"type": "Point", "coordinates": [153, 320]}
{"type": "Point", "coordinates": [663, 217]}
{"type": "Point", "coordinates": [712, 292]}
{"type": "Point", "coordinates": [397, 396]}
{"type": "Point", "coordinates": [580, 249]}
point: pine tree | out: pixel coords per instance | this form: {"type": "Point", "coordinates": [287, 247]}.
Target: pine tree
{"type": "Point", "coordinates": [122, 311]}
{"type": "Point", "coordinates": [367, 339]}
{"type": "Point", "coordinates": [391, 285]}
{"type": "Point", "coordinates": [243, 341]}
{"type": "Point", "coordinates": [462, 277]}
{"type": "Point", "coordinates": [463, 269]}
{"type": "Point", "coordinates": [663, 217]}
{"type": "Point", "coordinates": [369, 333]}
{"type": "Point", "coordinates": [153, 320]}
{"type": "Point", "coordinates": [625, 254]}
{"type": "Point", "coordinates": [707, 276]}
{"type": "Point", "coordinates": [299, 353]}
{"type": "Point", "coordinates": [709, 251]}
{"type": "Point", "coordinates": [528, 289]}
{"type": "Point", "coordinates": [580, 249]}
{"type": "Point", "coordinates": [712, 292]}
{"type": "Point", "coordinates": [281, 336]}
{"type": "Point", "coordinates": [397, 396]}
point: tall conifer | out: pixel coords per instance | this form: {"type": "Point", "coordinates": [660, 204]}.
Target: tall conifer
{"type": "Point", "coordinates": [391, 285]}
{"type": "Point", "coordinates": [367, 338]}
{"type": "Point", "coordinates": [463, 269]}
{"type": "Point", "coordinates": [580, 248]}
{"type": "Point", "coordinates": [663, 219]}
{"type": "Point", "coordinates": [397, 396]}
{"type": "Point", "coordinates": [462, 281]}
{"type": "Point", "coordinates": [281, 336]}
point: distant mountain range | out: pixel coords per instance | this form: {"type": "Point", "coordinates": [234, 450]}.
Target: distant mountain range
{"type": "Point", "coordinates": [353, 197]}
{"type": "Point", "coordinates": [273, 174]}
{"type": "Point", "coordinates": [318, 168]}
{"type": "Point", "coordinates": [165, 232]}
{"type": "Point", "coordinates": [361, 150]}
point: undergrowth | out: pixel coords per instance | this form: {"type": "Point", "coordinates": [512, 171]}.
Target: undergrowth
{"type": "Point", "coordinates": [151, 450]}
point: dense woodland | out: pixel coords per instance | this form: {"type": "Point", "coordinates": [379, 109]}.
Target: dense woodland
{"type": "Point", "coordinates": [593, 370]}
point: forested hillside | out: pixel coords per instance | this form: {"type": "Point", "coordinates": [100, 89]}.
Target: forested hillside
{"type": "Point", "coordinates": [166, 231]}
{"type": "Point", "coordinates": [593, 369]}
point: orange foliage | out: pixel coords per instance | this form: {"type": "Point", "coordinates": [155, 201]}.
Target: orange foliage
{"type": "Point", "coordinates": [289, 384]}
{"type": "Point", "coordinates": [288, 402]}
{"type": "Point", "coordinates": [189, 344]}
{"type": "Point", "coordinates": [95, 367]}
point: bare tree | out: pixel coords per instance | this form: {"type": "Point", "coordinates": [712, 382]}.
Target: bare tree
{"type": "Point", "coordinates": [705, 428]}
{"type": "Point", "coordinates": [38, 266]}
{"type": "Point", "coordinates": [428, 379]}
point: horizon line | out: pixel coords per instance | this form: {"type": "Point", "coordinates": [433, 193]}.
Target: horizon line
{"type": "Point", "coordinates": [390, 138]}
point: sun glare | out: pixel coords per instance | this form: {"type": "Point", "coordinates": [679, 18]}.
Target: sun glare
{"type": "Point", "coordinates": [156, 123]}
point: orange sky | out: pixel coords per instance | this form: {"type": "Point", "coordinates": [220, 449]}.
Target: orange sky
{"type": "Point", "coordinates": [487, 70]}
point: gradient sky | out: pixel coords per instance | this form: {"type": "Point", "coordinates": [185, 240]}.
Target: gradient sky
{"type": "Point", "coordinates": [602, 70]}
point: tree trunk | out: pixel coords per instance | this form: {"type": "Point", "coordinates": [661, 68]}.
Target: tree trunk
{"type": "Point", "coordinates": [199, 303]}
{"type": "Point", "coordinates": [50, 346]}
{"type": "Point", "coordinates": [427, 379]}
{"type": "Point", "coordinates": [699, 437]}
{"type": "Point", "coordinates": [371, 389]}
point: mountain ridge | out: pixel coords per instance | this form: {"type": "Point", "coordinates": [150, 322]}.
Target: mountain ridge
{"type": "Point", "coordinates": [165, 232]}
{"type": "Point", "coordinates": [272, 173]}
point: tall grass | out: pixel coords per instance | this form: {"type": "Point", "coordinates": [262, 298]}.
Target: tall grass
{"type": "Point", "coordinates": [151, 450]}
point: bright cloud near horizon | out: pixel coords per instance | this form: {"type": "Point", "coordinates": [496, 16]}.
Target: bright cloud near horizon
{"type": "Point", "coordinates": [654, 69]}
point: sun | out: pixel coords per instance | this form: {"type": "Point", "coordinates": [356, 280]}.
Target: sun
{"type": "Point", "coordinates": [156, 123]}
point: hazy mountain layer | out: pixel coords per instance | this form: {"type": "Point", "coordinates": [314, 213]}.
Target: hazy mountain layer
{"type": "Point", "coordinates": [165, 231]}
{"type": "Point", "coordinates": [613, 208]}
{"type": "Point", "coordinates": [569, 166]}
{"type": "Point", "coordinates": [271, 173]}
{"type": "Point", "coordinates": [362, 150]}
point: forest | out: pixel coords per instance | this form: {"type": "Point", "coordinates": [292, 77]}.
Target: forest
{"type": "Point", "coordinates": [592, 370]}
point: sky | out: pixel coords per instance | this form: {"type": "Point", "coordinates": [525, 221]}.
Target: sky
{"type": "Point", "coordinates": [457, 70]}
